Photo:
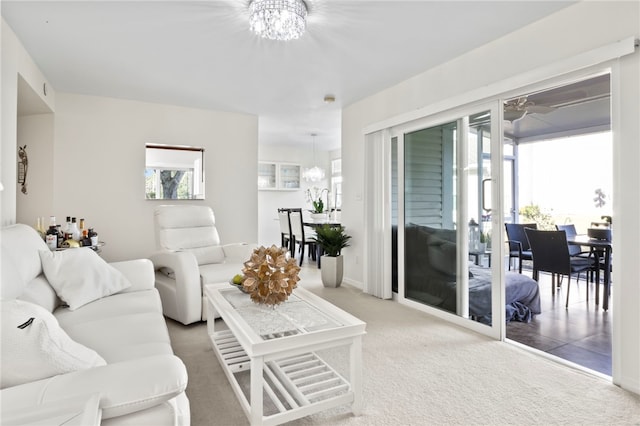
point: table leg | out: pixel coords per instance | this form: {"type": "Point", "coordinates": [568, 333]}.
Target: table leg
{"type": "Point", "coordinates": [607, 279]}
{"type": "Point", "coordinates": [256, 403]}
{"type": "Point", "coordinates": [356, 374]}
{"type": "Point", "coordinates": [319, 253]}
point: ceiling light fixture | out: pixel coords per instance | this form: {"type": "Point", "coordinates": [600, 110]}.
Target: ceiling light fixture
{"type": "Point", "coordinates": [278, 19]}
{"type": "Point", "coordinates": [315, 173]}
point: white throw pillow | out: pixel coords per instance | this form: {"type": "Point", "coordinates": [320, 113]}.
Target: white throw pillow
{"type": "Point", "coordinates": [34, 346]}
{"type": "Point", "coordinates": [80, 276]}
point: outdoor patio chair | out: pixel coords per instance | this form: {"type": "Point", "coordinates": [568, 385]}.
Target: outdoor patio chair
{"type": "Point", "coordinates": [518, 243]}
{"type": "Point", "coordinates": [551, 254]}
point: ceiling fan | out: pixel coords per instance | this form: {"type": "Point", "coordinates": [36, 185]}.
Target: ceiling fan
{"type": "Point", "coordinates": [515, 109]}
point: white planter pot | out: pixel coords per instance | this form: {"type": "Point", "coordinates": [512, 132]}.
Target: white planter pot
{"type": "Point", "coordinates": [319, 217]}
{"type": "Point", "coordinates": [331, 271]}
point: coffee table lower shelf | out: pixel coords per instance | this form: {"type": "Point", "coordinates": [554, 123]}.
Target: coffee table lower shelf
{"type": "Point", "coordinates": [293, 386]}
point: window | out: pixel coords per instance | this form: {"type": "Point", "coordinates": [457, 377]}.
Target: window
{"type": "Point", "coordinates": [174, 172]}
{"type": "Point", "coordinates": [336, 182]}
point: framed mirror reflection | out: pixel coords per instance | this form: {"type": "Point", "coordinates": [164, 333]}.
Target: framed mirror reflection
{"type": "Point", "coordinates": [174, 172]}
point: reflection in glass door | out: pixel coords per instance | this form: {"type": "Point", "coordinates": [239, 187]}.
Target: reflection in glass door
{"type": "Point", "coordinates": [447, 217]}
{"type": "Point", "coordinates": [430, 234]}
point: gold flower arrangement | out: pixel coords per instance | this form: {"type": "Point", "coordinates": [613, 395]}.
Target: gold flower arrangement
{"type": "Point", "coordinates": [270, 275]}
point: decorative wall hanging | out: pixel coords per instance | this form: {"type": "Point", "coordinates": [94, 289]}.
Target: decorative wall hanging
{"type": "Point", "coordinates": [23, 166]}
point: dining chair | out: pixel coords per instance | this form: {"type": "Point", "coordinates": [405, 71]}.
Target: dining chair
{"type": "Point", "coordinates": [518, 243]}
{"type": "Point", "coordinates": [300, 236]}
{"type": "Point", "coordinates": [570, 231]}
{"type": "Point", "coordinates": [285, 228]}
{"type": "Point", "coordinates": [550, 252]}
{"type": "Point", "coordinates": [574, 250]}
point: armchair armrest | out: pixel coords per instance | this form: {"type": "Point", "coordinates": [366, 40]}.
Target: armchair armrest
{"type": "Point", "coordinates": [238, 252]}
{"type": "Point", "coordinates": [181, 271]}
{"type": "Point", "coordinates": [139, 272]}
{"type": "Point", "coordinates": [515, 245]}
{"type": "Point", "coordinates": [125, 387]}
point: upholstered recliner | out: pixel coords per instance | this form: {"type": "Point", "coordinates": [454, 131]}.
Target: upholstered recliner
{"type": "Point", "coordinates": [189, 256]}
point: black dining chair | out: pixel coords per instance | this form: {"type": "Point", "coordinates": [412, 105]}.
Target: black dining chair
{"type": "Point", "coordinates": [550, 253]}
{"type": "Point", "coordinates": [570, 231]}
{"type": "Point", "coordinates": [300, 236]}
{"type": "Point", "coordinates": [518, 242]}
{"type": "Point", "coordinates": [285, 228]}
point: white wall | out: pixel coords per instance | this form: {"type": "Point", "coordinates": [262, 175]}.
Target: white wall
{"type": "Point", "coordinates": [269, 201]}
{"type": "Point", "coordinates": [99, 159]}
{"type": "Point", "coordinates": [36, 132]}
{"type": "Point", "coordinates": [569, 32]}
{"type": "Point", "coordinates": [14, 61]}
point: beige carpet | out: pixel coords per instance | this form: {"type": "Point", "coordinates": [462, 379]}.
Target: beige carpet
{"type": "Point", "coordinates": [419, 370]}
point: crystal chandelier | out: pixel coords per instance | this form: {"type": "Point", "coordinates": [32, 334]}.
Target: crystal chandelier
{"type": "Point", "coordinates": [315, 173]}
{"type": "Point", "coordinates": [278, 19]}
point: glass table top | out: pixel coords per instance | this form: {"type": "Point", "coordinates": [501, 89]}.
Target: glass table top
{"type": "Point", "coordinates": [295, 316]}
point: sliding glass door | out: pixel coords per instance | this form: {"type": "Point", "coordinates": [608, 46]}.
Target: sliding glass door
{"type": "Point", "coordinates": [445, 186]}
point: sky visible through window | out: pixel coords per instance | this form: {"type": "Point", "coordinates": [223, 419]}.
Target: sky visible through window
{"type": "Point", "coordinates": [562, 175]}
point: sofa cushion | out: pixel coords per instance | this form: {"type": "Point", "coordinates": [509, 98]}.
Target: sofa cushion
{"type": "Point", "coordinates": [220, 273]}
{"type": "Point", "coordinates": [40, 292]}
{"type": "Point", "coordinates": [120, 327]}
{"type": "Point", "coordinates": [80, 276]}
{"type": "Point", "coordinates": [207, 255]}
{"type": "Point", "coordinates": [34, 346]}
{"type": "Point", "coordinates": [20, 244]}
{"type": "Point", "coordinates": [442, 255]}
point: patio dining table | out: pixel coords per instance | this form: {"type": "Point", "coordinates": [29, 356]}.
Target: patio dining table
{"type": "Point", "coordinates": [598, 247]}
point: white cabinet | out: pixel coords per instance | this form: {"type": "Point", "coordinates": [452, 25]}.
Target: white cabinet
{"type": "Point", "coordinates": [278, 176]}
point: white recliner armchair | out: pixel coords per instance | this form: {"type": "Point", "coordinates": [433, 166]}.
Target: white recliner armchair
{"type": "Point", "coordinates": [189, 256]}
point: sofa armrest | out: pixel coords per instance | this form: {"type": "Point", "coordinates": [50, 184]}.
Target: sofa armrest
{"type": "Point", "coordinates": [125, 387]}
{"type": "Point", "coordinates": [81, 410]}
{"type": "Point", "coordinates": [139, 272]}
{"type": "Point", "coordinates": [238, 252]}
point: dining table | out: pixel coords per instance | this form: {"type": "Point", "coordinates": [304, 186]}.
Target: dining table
{"type": "Point", "coordinates": [602, 251]}
{"type": "Point", "coordinates": [314, 225]}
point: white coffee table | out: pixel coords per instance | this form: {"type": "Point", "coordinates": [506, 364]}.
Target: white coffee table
{"type": "Point", "coordinates": [279, 346]}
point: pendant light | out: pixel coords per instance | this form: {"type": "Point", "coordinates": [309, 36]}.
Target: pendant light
{"type": "Point", "coordinates": [315, 173]}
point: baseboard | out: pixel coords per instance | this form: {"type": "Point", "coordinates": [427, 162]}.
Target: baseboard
{"type": "Point", "coordinates": [354, 283]}
{"type": "Point", "coordinates": [629, 385]}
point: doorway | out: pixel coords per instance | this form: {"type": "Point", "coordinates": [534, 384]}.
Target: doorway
{"type": "Point", "coordinates": [563, 174]}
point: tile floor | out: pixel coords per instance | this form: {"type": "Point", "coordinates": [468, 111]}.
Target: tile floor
{"type": "Point", "coordinates": [580, 333]}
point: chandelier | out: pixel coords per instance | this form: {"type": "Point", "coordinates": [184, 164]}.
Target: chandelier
{"type": "Point", "coordinates": [315, 173]}
{"type": "Point", "coordinates": [278, 19]}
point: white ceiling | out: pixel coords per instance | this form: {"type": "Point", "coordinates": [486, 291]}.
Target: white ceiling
{"type": "Point", "coordinates": [201, 53]}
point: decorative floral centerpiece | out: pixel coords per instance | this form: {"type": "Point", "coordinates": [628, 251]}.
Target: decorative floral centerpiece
{"type": "Point", "coordinates": [314, 196]}
{"type": "Point", "coordinates": [270, 275]}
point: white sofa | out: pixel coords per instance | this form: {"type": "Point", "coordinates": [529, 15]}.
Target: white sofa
{"type": "Point", "coordinates": [142, 383]}
{"type": "Point", "coordinates": [189, 255]}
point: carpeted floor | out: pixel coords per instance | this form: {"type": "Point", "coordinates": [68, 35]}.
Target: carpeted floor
{"type": "Point", "coordinates": [419, 370]}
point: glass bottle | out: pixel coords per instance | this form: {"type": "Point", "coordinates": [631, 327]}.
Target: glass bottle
{"type": "Point", "coordinates": [75, 232]}
{"type": "Point", "coordinates": [51, 237]}
{"type": "Point", "coordinates": [40, 227]}
{"type": "Point", "coordinates": [60, 235]}
{"type": "Point", "coordinates": [93, 235]}
{"type": "Point", "coordinates": [67, 229]}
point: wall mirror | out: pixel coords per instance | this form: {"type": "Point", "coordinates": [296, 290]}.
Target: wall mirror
{"type": "Point", "coordinates": [174, 172]}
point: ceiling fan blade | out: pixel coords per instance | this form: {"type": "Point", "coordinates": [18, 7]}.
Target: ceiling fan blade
{"type": "Point", "coordinates": [539, 109]}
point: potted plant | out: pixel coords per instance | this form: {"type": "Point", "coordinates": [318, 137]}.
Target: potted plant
{"type": "Point", "coordinates": [485, 240]}
{"type": "Point", "coordinates": [314, 196]}
{"type": "Point", "coordinates": [332, 239]}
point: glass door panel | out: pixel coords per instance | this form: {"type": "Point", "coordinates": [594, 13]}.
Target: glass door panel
{"type": "Point", "coordinates": [447, 178]}
{"type": "Point", "coordinates": [430, 233]}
